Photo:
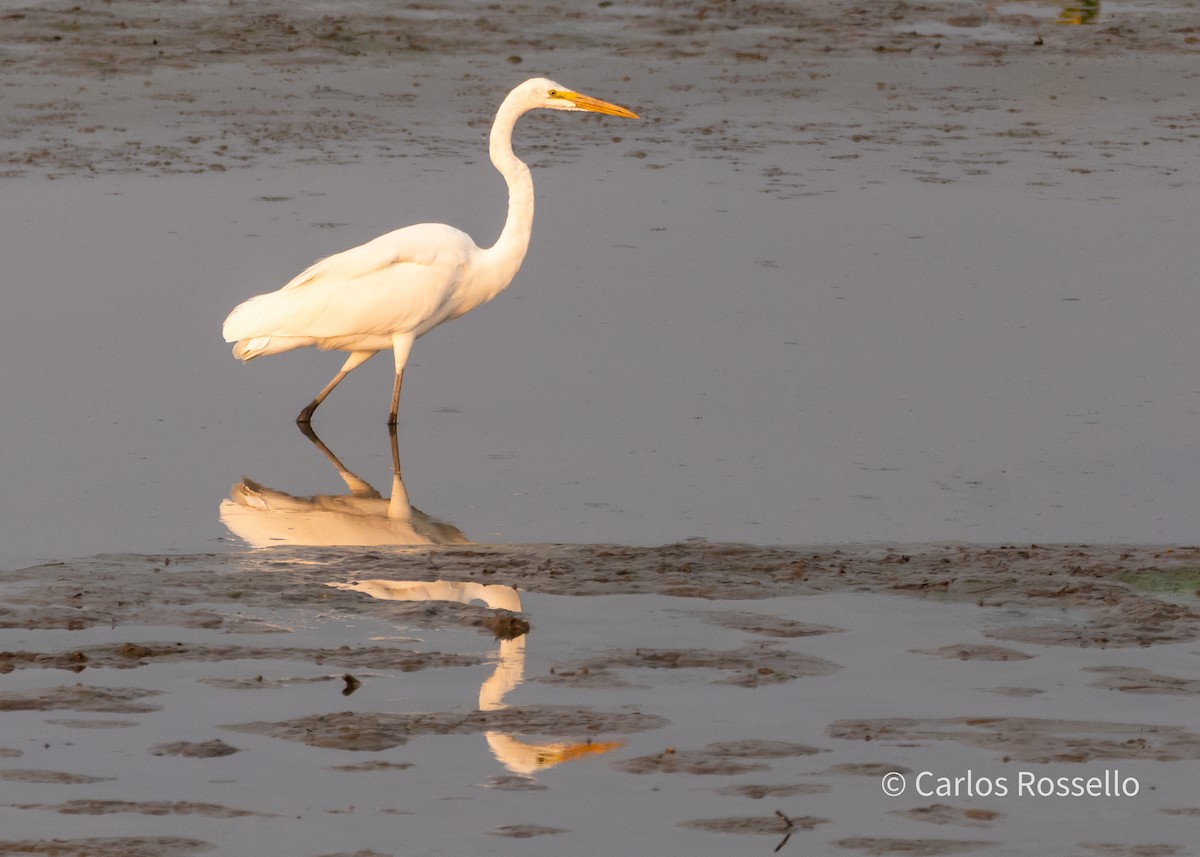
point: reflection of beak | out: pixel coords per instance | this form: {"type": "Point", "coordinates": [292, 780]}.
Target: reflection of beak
{"type": "Point", "coordinates": [595, 105]}
{"type": "Point", "coordinates": [566, 752]}
{"type": "Point", "coordinates": [527, 759]}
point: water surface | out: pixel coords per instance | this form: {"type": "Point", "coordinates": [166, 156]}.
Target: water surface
{"type": "Point", "coordinates": [818, 296]}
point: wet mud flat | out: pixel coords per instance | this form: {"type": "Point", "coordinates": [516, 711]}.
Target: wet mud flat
{"type": "Point", "coordinates": [712, 696]}
{"type": "Point", "coordinates": [178, 88]}
{"type": "Point", "coordinates": [602, 699]}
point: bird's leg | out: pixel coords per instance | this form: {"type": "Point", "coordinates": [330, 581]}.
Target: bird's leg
{"type": "Point", "coordinates": [401, 344]}
{"type": "Point", "coordinates": [395, 398]}
{"type": "Point", "coordinates": [356, 359]}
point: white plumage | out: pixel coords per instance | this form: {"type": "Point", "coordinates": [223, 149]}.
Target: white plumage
{"type": "Point", "coordinates": [390, 291]}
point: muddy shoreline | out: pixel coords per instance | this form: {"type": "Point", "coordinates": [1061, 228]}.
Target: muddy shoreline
{"type": "Point", "coordinates": [1124, 595]}
{"type": "Point", "coordinates": [167, 88]}
{"type": "Point", "coordinates": [230, 648]}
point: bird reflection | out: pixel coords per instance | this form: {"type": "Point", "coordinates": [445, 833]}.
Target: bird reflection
{"type": "Point", "coordinates": [520, 757]}
{"type": "Point", "coordinates": [263, 516]}
{"type": "Point", "coordinates": [1079, 11]}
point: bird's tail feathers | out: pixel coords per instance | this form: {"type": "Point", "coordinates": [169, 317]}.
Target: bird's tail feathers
{"type": "Point", "coordinates": [248, 349]}
{"type": "Point", "coordinates": [247, 324]}
{"type": "Point", "coordinates": [261, 346]}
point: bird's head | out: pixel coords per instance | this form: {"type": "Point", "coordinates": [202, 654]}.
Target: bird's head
{"type": "Point", "coordinates": [541, 92]}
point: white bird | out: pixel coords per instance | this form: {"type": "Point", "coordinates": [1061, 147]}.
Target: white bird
{"type": "Point", "coordinates": [398, 287]}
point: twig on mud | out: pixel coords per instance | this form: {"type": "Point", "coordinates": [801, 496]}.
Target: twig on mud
{"type": "Point", "coordinates": [788, 831]}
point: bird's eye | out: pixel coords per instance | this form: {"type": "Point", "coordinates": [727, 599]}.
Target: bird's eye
{"type": "Point", "coordinates": [553, 93]}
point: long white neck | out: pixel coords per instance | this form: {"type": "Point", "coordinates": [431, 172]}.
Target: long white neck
{"type": "Point", "coordinates": [509, 250]}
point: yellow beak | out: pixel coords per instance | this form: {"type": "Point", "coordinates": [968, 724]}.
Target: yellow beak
{"type": "Point", "coordinates": [595, 105]}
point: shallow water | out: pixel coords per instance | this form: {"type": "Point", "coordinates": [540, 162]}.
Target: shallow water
{"type": "Point", "coordinates": [910, 301]}
{"type": "Point", "coordinates": [875, 274]}
{"type": "Point", "coordinates": [319, 702]}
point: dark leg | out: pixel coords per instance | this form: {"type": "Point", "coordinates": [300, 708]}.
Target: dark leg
{"type": "Point", "coordinates": [401, 344]}
{"type": "Point", "coordinates": [356, 359]}
{"type": "Point", "coordinates": [395, 398]}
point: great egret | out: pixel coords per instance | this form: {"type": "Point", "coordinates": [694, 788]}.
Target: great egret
{"type": "Point", "coordinates": [398, 287]}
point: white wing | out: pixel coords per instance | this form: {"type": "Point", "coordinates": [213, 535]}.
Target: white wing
{"type": "Point", "coordinates": [396, 283]}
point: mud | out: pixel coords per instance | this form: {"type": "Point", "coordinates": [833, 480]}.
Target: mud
{"type": "Point", "coordinates": [133, 655]}
{"type": "Point", "coordinates": [751, 666]}
{"type": "Point", "coordinates": [1035, 740]}
{"type": "Point", "coordinates": [878, 847]}
{"type": "Point", "coordinates": [26, 775]}
{"type": "Point", "coordinates": [772, 52]}
{"type": "Point", "coordinates": [759, 792]}
{"type": "Point", "coordinates": [513, 784]}
{"type": "Point", "coordinates": [769, 626]}
{"type": "Point", "coordinates": [259, 682]}
{"type": "Point", "coordinates": [136, 846]}
{"type": "Point", "coordinates": [79, 697]}
{"type": "Point", "coordinates": [1122, 849]}
{"type": "Point", "coordinates": [1137, 680]}
{"type": "Point", "coordinates": [375, 765]}
{"type": "Point", "coordinates": [195, 750]}
{"type": "Point", "coordinates": [71, 723]}
{"type": "Point", "coordinates": [773, 824]}
{"type": "Point", "coordinates": [1113, 589]}
{"type": "Point", "coordinates": [976, 653]}
{"type": "Point", "coordinates": [864, 769]}
{"type": "Point", "coordinates": [940, 813]}
{"type": "Point", "coordinates": [377, 731]}
{"type": "Point", "coordinates": [720, 759]}
{"type": "Point", "coordinates": [763, 620]}
{"type": "Point", "coordinates": [526, 831]}
{"type": "Point", "coordinates": [108, 807]}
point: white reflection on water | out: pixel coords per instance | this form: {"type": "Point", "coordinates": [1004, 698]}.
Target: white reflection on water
{"type": "Point", "coordinates": [520, 757]}
{"type": "Point", "coordinates": [263, 516]}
